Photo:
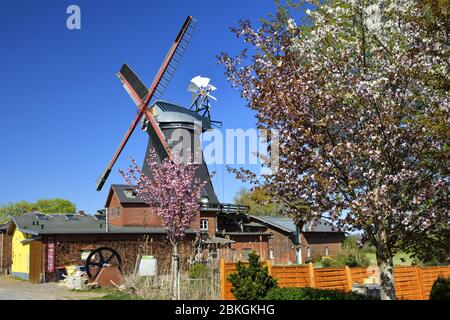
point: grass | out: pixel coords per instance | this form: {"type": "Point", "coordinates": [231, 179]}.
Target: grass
{"type": "Point", "coordinates": [407, 260]}
{"type": "Point", "coordinates": [96, 290]}
{"type": "Point", "coordinates": [18, 278]}
{"type": "Point", "coordinates": [109, 294]}
{"type": "Point", "coordinates": [118, 295]}
{"type": "Point", "coordinates": [397, 259]}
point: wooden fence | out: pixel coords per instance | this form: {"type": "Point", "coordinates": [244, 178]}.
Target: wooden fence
{"type": "Point", "coordinates": [411, 283]}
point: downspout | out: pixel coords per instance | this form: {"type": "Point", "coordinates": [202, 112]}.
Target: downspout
{"type": "Point", "coordinates": [299, 243]}
{"type": "Point", "coordinates": [1, 252]}
{"type": "Point", "coordinates": [107, 220]}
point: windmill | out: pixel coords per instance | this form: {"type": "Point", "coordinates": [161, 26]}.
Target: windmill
{"type": "Point", "coordinates": [163, 119]}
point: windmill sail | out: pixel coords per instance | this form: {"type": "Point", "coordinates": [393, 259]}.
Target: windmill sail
{"type": "Point", "coordinates": [135, 88]}
{"type": "Point", "coordinates": [183, 39]}
{"type": "Point", "coordinates": [132, 84]}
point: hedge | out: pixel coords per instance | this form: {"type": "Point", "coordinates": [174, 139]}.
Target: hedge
{"type": "Point", "coordinates": [312, 294]}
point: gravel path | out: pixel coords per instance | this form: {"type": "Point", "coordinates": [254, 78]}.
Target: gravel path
{"type": "Point", "coordinates": [14, 289]}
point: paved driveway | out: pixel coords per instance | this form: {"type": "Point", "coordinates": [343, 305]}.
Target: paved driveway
{"type": "Point", "coordinates": [13, 289]}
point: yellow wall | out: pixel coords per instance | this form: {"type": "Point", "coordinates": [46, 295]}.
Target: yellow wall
{"type": "Point", "coordinates": [20, 253]}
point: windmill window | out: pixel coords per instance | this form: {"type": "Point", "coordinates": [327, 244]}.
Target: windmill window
{"type": "Point", "coordinates": [308, 252]}
{"type": "Point", "coordinates": [118, 212]}
{"type": "Point", "coordinates": [203, 224]}
{"type": "Point", "coordinates": [112, 212]}
{"type": "Point", "coordinates": [326, 251]}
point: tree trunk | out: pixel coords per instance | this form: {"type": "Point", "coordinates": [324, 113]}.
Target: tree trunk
{"type": "Point", "coordinates": [175, 273]}
{"type": "Point", "coordinates": [386, 265]}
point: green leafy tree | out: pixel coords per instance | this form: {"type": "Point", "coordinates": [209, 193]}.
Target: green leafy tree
{"type": "Point", "coordinates": [251, 282]}
{"type": "Point", "coordinates": [260, 202]}
{"type": "Point", "coordinates": [55, 205]}
{"type": "Point", "coordinates": [48, 206]}
{"type": "Point", "coordinates": [435, 247]}
{"type": "Point", "coordinates": [14, 209]}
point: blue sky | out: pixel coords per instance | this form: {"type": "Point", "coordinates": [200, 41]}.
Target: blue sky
{"type": "Point", "coordinates": [63, 112]}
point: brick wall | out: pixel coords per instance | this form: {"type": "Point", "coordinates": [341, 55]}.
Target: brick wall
{"type": "Point", "coordinates": [318, 241]}
{"type": "Point", "coordinates": [212, 222]}
{"type": "Point", "coordinates": [69, 248]}
{"type": "Point", "coordinates": [283, 247]}
{"type": "Point", "coordinates": [137, 214]}
{"type": "Point", "coordinates": [113, 218]}
{"type": "Point", "coordinates": [259, 244]}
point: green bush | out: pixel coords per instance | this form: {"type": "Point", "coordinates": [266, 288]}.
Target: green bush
{"type": "Point", "coordinates": [327, 262]}
{"type": "Point", "coordinates": [312, 294]}
{"type": "Point", "coordinates": [440, 289]}
{"type": "Point", "coordinates": [198, 271]}
{"type": "Point", "coordinates": [251, 282]}
{"type": "Point", "coordinates": [350, 255]}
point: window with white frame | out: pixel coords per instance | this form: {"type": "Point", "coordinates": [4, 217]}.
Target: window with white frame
{"type": "Point", "coordinates": [204, 224]}
{"type": "Point", "coordinates": [112, 213]}
{"type": "Point", "coordinates": [118, 212]}
{"type": "Point", "coordinates": [326, 251]}
{"type": "Point", "coordinates": [308, 252]}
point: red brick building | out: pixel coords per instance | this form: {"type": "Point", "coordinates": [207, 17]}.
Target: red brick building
{"type": "Point", "coordinates": [218, 226]}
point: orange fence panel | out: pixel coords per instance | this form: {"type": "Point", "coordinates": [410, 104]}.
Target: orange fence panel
{"type": "Point", "coordinates": [411, 283]}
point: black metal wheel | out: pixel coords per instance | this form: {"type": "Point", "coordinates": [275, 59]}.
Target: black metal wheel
{"type": "Point", "coordinates": [99, 258]}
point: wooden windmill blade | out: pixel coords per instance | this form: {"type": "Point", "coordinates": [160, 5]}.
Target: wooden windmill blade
{"type": "Point", "coordinates": [135, 88]}
{"type": "Point", "coordinates": [172, 59]}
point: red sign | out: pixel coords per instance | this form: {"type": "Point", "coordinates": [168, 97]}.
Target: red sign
{"type": "Point", "coordinates": [50, 255]}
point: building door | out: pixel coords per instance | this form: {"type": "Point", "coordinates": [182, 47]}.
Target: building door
{"type": "Point", "coordinates": [35, 261]}
{"type": "Point", "coordinates": [298, 255]}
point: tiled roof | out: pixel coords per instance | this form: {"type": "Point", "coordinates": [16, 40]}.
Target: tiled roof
{"type": "Point", "coordinates": [40, 224]}
{"type": "Point", "coordinates": [288, 225]}
{"type": "Point", "coordinates": [119, 190]}
{"type": "Point", "coordinates": [4, 227]}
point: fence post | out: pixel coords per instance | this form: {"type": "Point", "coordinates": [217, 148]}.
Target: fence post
{"type": "Point", "coordinates": [349, 278]}
{"type": "Point", "coordinates": [223, 279]}
{"type": "Point", "coordinates": [312, 277]}
{"type": "Point", "coordinates": [269, 267]}
{"type": "Point", "coordinates": [419, 279]}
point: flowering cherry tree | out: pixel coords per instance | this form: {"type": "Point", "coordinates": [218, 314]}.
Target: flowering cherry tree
{"type": "Point", "coordinates": [173, 193]}
{"type": "Point", "coordinates": [357, 92]}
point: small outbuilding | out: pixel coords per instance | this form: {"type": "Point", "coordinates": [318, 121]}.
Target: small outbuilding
{"type": "Point", "coordinates": [44, 245]}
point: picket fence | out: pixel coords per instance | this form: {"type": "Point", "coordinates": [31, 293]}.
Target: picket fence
{"type": "Point", "coordinates": [411, 283]}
